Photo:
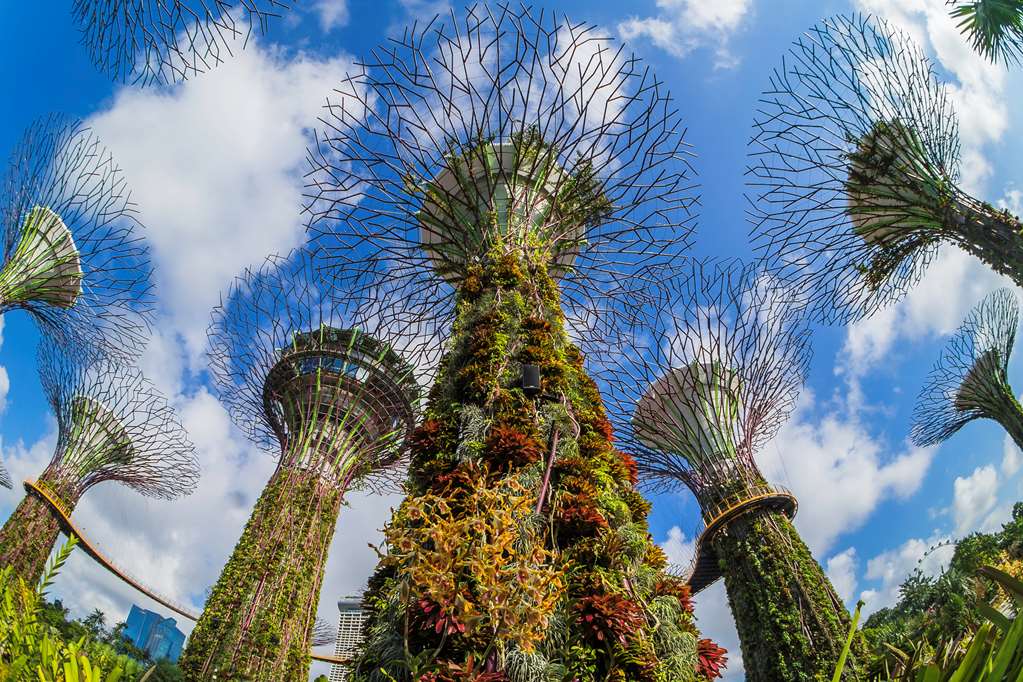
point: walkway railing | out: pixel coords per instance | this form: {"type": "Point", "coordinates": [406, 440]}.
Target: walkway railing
{"type": "Point", "coordinates": [58, 509]}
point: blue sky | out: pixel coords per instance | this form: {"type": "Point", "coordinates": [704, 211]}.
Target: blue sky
{"type": "Point", "coordinates": [216, 165]}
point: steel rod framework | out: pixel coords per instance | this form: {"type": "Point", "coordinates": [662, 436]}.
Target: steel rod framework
{"type": "Point", "coordinates": [166, 41]}
{"type": "Point", "coordinates": [853, 172]}
{"type": "Point", "coordinates": [970, 379]}
{"type": "Point", "coordinates": [73, 254]}
{"type": "Point", "coordinates": [311, 375]}
{"type": "Point", "coordinates": [501, 126]}
{"type": "Point", "coordinates": [515, 178]}
{"type": "Point", "coordinates": [112, 425]}
{"type": "Point", "coordinates": [707, 379]}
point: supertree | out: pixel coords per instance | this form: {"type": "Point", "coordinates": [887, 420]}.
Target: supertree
{"type": "Point", "coordinates": [313, 376]}
{"type": "Point", "coordinates": [166, 41]}
{"type": "Point", "coordinates": [970, 379]}
{"type": "Point", "coordinates": [853, 172]}
{"type": "Point", "coordinates": [73, 254]}
{"type": "Point", "coordinates": [712, 374]}
{"type": "Point", "coordinates": [514, 176]}
{"type": "Point", "coordinates": [112, 425]}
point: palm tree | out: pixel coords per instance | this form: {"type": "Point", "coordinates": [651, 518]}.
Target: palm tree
{"type": "Point", "coordinates": [993, 27]}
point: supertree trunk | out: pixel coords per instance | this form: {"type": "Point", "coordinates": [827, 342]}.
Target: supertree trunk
{"type": "Point", "coordinates": [791, 623]}
{"type": "Point", "coordinates": [530, 512]}
{"type": "Point", "coordinates": [31, 531]}
{"type": "Point", "coordinates": [257, 623]}
{"type": "Point", "coordinates": [993, 236]}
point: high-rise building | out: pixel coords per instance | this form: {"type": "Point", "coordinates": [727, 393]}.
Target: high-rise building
{"type": "Point", "coordinates": [349, 634]}
{"type": "Point", "coordinates": [157, 636]}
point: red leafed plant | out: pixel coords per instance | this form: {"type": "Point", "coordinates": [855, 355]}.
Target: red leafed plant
{"type": "Point", "coordinates": [712, 659]}
{"type": "Point", "coordinates": [676, 587]}
{"type": "Point", "coordinates": [507, 447]}
{"type": "Point", "coordinates": [609, 617]}
{"type": "Point", "coordinates": [438, 620]}
{"type": "Point", "coordinates": [579, 516]}
{"type": "Point", "coordinates": [453, 672]}
{"type": "Point", "coordinates": [426, 439]}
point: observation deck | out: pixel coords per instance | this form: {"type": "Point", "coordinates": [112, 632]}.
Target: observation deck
{"type": "Point", "coordinates": [348, 397]}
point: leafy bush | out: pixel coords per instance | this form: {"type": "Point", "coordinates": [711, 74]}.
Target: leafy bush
{"type": "Point", "coordinates": [32, 651]}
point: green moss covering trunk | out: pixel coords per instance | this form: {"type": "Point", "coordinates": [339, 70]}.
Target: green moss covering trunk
{"type": "Point", "coordinates": [257, 623]}
{"type": "Point", "coordinates": [791, 623]}
{"type": "Point", "coordinates": [30, 532]}
{"type": "Point", "coordinates": [490, 570]}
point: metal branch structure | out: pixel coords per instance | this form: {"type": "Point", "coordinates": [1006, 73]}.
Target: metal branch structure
{"type": "Point", "coordinates": [713, 373]}
{"type": "Point", "coordinates": [167, 41]}
{"type": "Point", "coordinates": [73, 254]}
{"type": "Point", "coordinates": [517, 179]}
{"type": "Point", "coordinates": [312, 376]}
{"type": "Point", "coordinates": [112, 425]}
{"type": "Point", "coordinates": [970, 380]}
{"type": "Point", "coordinates": [853, 172]}
{"type": "Point", "coordinates": [501, 129]}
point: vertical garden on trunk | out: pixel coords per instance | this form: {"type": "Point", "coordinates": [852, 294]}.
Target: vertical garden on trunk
{"type": "Point", "coordinates": [333, 394]}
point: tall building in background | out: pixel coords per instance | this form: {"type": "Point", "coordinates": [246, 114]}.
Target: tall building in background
{"type": "Point", "coordinates": [349, 634]}
{"type": "Point", "coordinates": [157, 636]}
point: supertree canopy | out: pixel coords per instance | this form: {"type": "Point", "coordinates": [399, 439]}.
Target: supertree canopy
{"type": "Point", "coordinates": [73, 255]}
{"type": "Point", "coordinates": [314, 377]}
{"type": "Point", "coordinates": [853, 172]}
{"type": "Point", "coordinates": [166, 41]}
{"type": "Point", "coordinates": [510, 174]}
{"type": "Point", "coordinates": [970, 379]}
{"type": "Point", "coordinates": [112, 425]}
{"type": "Point", "coordinates": [715, 370]}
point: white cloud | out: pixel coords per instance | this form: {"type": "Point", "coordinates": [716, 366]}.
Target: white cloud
{"type": "Point", "coordinates": [975, 496]}
{"type": "Point", "coordinates": [332, 13]}
{"type": "Point", "coordinates": [979, 88]}
{"type": "Point", "coordinates": [215, 165]}
{"type": "Point", "coordinates": [892, 567]}
{"type": "Point", "coordinates": [680, 551]}
{"type": "Point", "coordinates": [682, 26]}
{"type": "Point", "coordinates": [841, 571]}
{"type": "Point", "coordinates": [1010, 456]}
{"type": "Point", "coordinates": [838, 471]}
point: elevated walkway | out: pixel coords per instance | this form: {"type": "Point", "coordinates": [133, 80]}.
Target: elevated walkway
{"type": "Point", "coordinates": [69, 527]}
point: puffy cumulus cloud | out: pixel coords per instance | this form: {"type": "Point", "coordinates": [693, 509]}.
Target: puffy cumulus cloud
{"type": "Point", "coordinates": [892, 567]}
{"type": "Point", "coordinates": [1010, 456]}
{"type": "Point", "coordinates": [953, 284]}
{"type": "Point", "coordinates": [681, 26]}
{"type": "Point", "coordinates": [332, 13]}
{"type": "Point", "coordinates": [841, 570]}
{"type": "Point", "coordinates": [215, 165]}
{"type": "Point", "coordinates": [680, 551]}
{"type": "Point", "coordinates": [975, 496]}
{"type": "Point", "coordinates": [979, 86]}
{"type": "Point", "coordinates": [838, 471]}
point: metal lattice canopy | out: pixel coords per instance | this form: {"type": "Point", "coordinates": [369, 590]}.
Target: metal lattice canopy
{"type": "Point", "coordinates": [114, 425]}
{"type": "Point", "coordinates": [709, 376]}
{"type": "Point", "coordinates": [502, 130]}
{"type": "Point", "coordinates": [166, 41]}
{"type": "Point", "coordinates": [853, 171]}
{"type": "Point", "coordinates": [73, 254]}
{"type": "Point", "coordinates": [970, 379]}
{"type": "Point", "coordinates": [312, 373]}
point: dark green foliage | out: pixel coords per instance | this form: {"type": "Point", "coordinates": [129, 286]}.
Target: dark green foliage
{"type": "Point", "coordinates": [252, 627]}
{"type": "Point", "coordinates": [993, 27]}
{"type": "Point", "coordinates": [793, 625]}
{"type": "Point", "coordinates": [31, 531]}
{"type": "Point", "coordinates": [619, 617]}
{"type": "Point", "coordinates": [934, 611]}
